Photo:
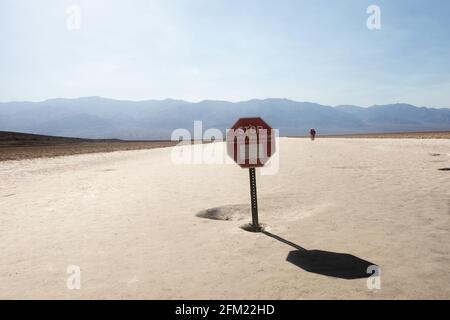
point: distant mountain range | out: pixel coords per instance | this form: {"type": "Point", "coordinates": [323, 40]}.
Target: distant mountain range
{"type": "Point", "coordinates": [96, 117]}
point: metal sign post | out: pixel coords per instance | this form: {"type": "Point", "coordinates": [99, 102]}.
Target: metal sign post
{"type": "Point", "coordinates": [254, 198]}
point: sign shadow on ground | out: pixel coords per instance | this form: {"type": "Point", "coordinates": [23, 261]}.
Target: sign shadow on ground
{"type": "Point", "coordinates": [332, 264]}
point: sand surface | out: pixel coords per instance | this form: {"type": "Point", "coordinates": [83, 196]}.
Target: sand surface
{"type": "Point", "coordinates": [129, 220]}
{"type": "Point", "coordinates": [397, 135]}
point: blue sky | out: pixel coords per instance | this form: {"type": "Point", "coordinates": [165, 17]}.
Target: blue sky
{"type": "Point", "coordinates": [311, 50]}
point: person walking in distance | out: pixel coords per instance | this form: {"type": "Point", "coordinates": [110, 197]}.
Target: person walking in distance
{"type": "Point", "coordinates": [312, 133]}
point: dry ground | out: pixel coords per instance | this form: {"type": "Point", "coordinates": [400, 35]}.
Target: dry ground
{"type": "Point", "coordinates": [400, 135]}
{"type": "Point", "coordinates": [17, 146]}
{"type": "Point", "coordinates": [130, 221]}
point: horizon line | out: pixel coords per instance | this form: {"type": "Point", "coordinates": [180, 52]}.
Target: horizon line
{"type": "Point", "coordinates": [217, 100]}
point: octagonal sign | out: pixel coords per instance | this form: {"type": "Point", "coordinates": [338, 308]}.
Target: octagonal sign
{"type": "Point", "coordinates": [250, 142]}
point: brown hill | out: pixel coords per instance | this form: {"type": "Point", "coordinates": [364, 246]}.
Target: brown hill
{"type": "Point", "coordinates": [16, 146]}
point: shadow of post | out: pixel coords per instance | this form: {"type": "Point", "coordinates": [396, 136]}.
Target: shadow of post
{"type": "Point", "coordinates": [332, 264]}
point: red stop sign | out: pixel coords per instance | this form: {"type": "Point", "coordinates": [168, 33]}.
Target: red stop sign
{"type": "Point", "coordinates": [250, 142]}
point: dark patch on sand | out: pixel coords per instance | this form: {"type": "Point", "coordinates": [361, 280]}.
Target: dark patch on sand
{"type": "Point", "coordinates": [226, 213]}
{"type": "Point", "coordinates": [251, 228]}
{"type": "Point", "coordinates": [9, 195]}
